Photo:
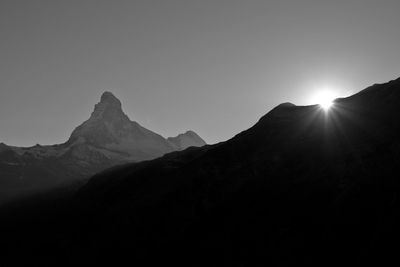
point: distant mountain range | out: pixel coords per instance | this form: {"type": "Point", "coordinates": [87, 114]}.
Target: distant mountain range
{"type": "Point", "coordinates": [303, 186]}
{"type": "Point", "coordinates": [106, 139]}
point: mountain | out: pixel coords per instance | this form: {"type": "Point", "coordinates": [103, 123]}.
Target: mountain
{"type": "Point", "coordinates": [106, 139]}
{"type": "Point", "coordinates": [185, 140]}
{"type": "Point", "coordinates": [302, 186]}
{"type": "Point", "coordinates": [110, 128]}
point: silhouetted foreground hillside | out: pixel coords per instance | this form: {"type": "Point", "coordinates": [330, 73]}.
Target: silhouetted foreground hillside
{"type": "Point", "coordinates": [301, 186]}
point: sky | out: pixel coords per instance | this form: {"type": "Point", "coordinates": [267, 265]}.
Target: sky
{"type": "Point", "coordinates": [214, 67]}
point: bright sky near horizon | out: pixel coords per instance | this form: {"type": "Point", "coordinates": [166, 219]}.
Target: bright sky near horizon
{"type": "Point", "coordinates": [212, 66]}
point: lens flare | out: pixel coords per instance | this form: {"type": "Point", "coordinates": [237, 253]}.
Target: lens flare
{"type": "Point", "coordinates": [324, 99]}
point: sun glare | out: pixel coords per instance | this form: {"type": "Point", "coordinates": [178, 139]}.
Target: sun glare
{"type": "Point", "coordinates": [324, 99]}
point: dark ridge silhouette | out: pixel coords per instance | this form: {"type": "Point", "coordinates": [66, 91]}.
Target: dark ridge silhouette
{"type": "Point", "coordinates": [108, 138]}
{"type": "Point", "coordinates": [302, 186]}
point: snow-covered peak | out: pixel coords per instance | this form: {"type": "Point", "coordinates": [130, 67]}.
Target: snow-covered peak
{"type": "Point", "coordinates": [109, 127]}
{"type": "Point", "coordinates": [105, 124]}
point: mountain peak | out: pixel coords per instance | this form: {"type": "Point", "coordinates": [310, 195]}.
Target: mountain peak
{"type": "Point", "coordinates": [109, 98]}
{"type": "Point", "coordinates": [106, 122]}
{"type": "Point", "coordinates": [110, 128]}
{"type": "Point", "coordinates": [187, 139]}
{"type": "Point", "coordinates": [190, 132]}
{"type": "Point", "coordinates": [109, 108]}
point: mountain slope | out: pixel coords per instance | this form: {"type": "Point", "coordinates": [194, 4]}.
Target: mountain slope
{"type": "Point", "coordinates": [106, 139]}
{"type": "Point", "coordinates": [301, 186]}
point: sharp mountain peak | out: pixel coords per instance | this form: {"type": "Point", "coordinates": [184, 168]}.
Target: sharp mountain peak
{"type": "Point", "coordinates": [109, 108]}
{"type": "Point", "coordinates": [109, 99]}
{"type": "Point", "coordinates": [108, 126]}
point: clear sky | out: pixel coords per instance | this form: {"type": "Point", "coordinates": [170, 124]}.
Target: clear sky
{"type": "Point", "coordinates": [214, 67]}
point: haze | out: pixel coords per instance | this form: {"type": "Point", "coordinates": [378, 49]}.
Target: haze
{"type": "Point", "coordinates": [214, 67]}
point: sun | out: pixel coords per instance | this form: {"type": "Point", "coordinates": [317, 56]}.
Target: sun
{"type": "Point", "coordinates": [324, 99]}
